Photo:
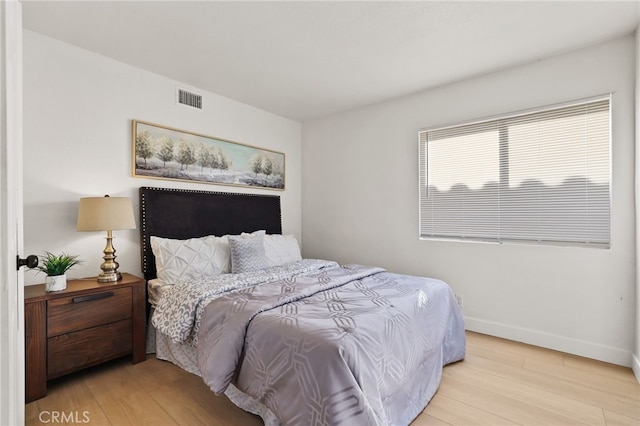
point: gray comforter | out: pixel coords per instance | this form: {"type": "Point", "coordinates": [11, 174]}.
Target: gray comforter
{"type": "Point", "coordinates": [342, 345]}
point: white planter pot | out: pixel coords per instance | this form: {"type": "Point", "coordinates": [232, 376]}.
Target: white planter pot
{"type": "Point", "coordinates": [55, 283]}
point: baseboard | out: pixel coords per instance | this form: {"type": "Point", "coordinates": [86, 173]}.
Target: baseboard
{"type": "Point", "coordinates": [555, 342]}
{"type": "Point", "coordinates": [636, 366]}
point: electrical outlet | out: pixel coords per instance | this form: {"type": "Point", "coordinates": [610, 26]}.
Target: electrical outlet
{"type": "Point", "coordinates": [459, 300]}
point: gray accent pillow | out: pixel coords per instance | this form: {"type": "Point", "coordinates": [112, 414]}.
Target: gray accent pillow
{"type": "Point", "coordinates": [248, 254]}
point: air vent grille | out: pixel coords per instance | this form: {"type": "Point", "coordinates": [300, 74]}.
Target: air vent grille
{"type": "Point", "coordinates": [189, 99]}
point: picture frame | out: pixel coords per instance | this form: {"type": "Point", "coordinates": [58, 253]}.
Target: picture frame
{"type": "Point", "coordinates": [161, 152]}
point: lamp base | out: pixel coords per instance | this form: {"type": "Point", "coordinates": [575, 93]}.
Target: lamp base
{"type": "Point", "coordinates": [109, 267]}
{"type": "Point", "coordinates": [109, 277]}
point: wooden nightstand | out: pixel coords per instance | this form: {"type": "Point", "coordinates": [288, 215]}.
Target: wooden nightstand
{"type": "Point", "coordinates": [84, 325]}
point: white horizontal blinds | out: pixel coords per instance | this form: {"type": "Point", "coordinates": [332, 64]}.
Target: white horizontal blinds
{"type": "Point", "coordinates": [541, 176]}
{"type": "Point", "coordinates": [463, 168]}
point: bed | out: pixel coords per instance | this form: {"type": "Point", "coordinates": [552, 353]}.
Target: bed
{"type": "Point", "coordinates": [295, 341]}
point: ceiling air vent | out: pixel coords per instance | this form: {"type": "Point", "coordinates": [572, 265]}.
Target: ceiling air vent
{"type": "Point", "coordinates": [189, 99]}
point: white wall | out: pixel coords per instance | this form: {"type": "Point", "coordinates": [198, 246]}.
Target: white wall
{"type": "Point", "coordinates": [360, 204]}
{"type": "Point", "coordinates": [78, 108]}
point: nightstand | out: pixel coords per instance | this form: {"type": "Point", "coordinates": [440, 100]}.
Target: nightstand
{"type": "Point", "coordinates": [86, 324]}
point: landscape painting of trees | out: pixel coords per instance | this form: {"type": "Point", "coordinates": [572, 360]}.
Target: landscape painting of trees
{"type": "Point", "coordinates": [167, 153]}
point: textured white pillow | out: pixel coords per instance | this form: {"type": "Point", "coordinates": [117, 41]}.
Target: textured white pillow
{"type": "Point", "coordinates": [262, 251]}
{"type": "Point", "coordinates": [248, 254]}
{"type": "Point", "coordinates": [281, 249]}
{"type": "Point", "coordinates": [178, 260]}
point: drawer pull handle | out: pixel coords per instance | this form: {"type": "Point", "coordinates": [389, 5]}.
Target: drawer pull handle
{"type": "Point", "coordinates": [92, 297]}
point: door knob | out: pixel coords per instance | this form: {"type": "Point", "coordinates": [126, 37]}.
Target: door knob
{"type": "Point", "coordinates": [30, 262]}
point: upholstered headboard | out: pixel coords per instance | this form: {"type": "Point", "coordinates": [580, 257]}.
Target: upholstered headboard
{"type": "Point", "coordinates": [182, 214]}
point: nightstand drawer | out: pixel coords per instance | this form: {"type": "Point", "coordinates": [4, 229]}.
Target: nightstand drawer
{"type": "Point", "coordinates": [67, 314]}
{"type": "Point", "coordinates": [70, 352]}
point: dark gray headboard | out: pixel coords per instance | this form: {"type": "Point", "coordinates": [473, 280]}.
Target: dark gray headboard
{"type": "Point", "coordinates": [182, 214]}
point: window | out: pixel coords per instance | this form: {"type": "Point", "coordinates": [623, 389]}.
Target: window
{"type": "Point", "coordinates": [541, 176]}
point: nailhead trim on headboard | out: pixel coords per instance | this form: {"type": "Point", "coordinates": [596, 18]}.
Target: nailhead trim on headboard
{"type": "Point", "coordinates": [186, 213]}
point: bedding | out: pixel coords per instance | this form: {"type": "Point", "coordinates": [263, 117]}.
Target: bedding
{"type": "Point", "coordinates": [307, 340]}
{"type": "Point", "coordinates": [319, 343]}
{"type": "Point", "coordinates": [247, 254]}
{"type": "Point", "coordinates": [263, 251]}
{"type": "Point", "coordinates": [194, 257]}
{"type": "Point", "coordinates": [178, 260]}
{"type": "Point", "coordinates": [185, 357]}
{"type": "Point", "coordinates": [281, 249]}
{"type": "Point", "coordinates": [154, 291]}
{"type": "Point", "coordinates": [180, 309]}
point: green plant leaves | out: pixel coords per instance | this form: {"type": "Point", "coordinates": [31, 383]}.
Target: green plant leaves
{"type": "Point", "coordinates": [53, 265]}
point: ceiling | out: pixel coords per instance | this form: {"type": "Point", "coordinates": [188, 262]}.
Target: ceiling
{"type": "Point", "coordinates": [305, 60]}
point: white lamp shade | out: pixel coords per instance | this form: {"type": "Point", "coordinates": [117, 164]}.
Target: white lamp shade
{"type": "Point", "coordinates": [105, 214]}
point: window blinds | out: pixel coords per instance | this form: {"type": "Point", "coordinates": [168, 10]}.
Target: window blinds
{"type": "Point", "coordinates": [541, 176]}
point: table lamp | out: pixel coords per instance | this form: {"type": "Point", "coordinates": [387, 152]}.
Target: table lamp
{"type": "Point", "coordinates": [106, 214]}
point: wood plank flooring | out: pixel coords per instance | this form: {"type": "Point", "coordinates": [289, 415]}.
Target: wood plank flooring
{"type": "Point", "coordinates": [500, 382]}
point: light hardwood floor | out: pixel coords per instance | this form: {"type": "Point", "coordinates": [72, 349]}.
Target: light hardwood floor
{"type": "Point", "coordinates": [500, 382]}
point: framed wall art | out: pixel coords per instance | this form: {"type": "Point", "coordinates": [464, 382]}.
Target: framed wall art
{"type": "Point", "coordinates": [166, 153]}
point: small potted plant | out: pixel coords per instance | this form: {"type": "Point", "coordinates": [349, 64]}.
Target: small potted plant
{"type": "Point", "coordinates": [56, 268]}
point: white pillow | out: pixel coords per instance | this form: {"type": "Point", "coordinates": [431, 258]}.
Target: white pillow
{"type": "Point", "coordinates": [281, 249]}
{"type": "Point", "coordinates": [178, 260]}
{"type": "Point", "coordinates": [251, 234]}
